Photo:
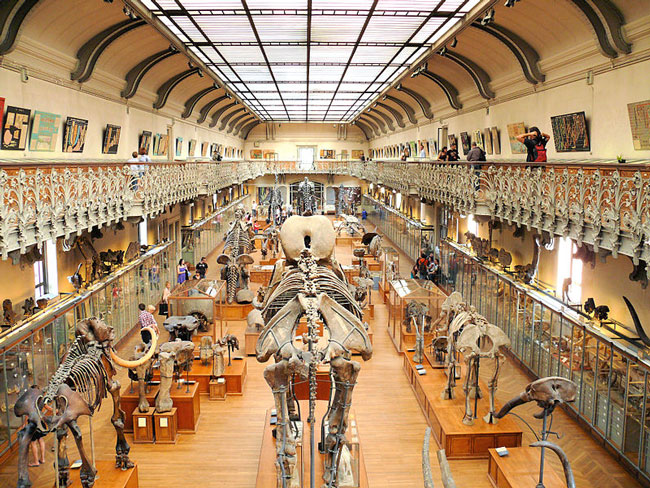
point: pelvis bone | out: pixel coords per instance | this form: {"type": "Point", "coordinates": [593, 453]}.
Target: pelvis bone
{"type": "Point", "coordinates": [315, 233]}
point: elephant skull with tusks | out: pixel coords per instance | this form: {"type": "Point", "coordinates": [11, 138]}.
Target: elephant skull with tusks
{"type": "Point", "coordinates": [84, 378]}
{"type": "Point", "coordinates": [547, 392]}
{"type": "Point", "coordinates": [234, 273]}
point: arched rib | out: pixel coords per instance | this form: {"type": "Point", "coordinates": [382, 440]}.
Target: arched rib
{"type": "Point", "coordinates": [364, 128]}
{"type": "Point", "coordinates": [387, 119]}
{"type": "Point", "coordinates": [135, 74]}
{"type": "Point", "coordinates": [394, 112]}
{"type": "Point", "coordinates": [248, 118]}
{"type": "Point", "coordinates": [421, 101]}
{"type": "Point", "coordinates": [606, 22]}
{"type": "Point", "coordinates": [203, 114]}
{"type": "Point", "coordinates": [228, 116]}
{"type": "Point", "coordinates": [220, 111]}
{"type": "Point", "coordinates": [89, 53]}
{"type": "Point", "coordinates": [410, 112]}
{"type": "Point", "coordinates": [449, 90]}
{"type": "Point", "coordinates": [378, 121]}
{"type": "Point", "coordinates": [12, 16]}
{"type": "Point", "coordinates": [371, 124]}
{"type": "Point", "coordinates": [247, 128]}
{"type": "Point", "coordinates": [194, 99]}
{"type": "Point", "coordinates": [524, 52]}
{"type": "Point", "coordinates": [232, 123]}
{"type": "Point", "coordinates": [166, 88]}
{"type": "Point", "coordinates": [479, 76]}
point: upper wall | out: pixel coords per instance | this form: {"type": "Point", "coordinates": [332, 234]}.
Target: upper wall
{"type": "Point", "coordinates": [289, 136]}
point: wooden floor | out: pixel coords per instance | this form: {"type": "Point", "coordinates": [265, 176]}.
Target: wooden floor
{"type": "Point", "coordinates": [225, 450]}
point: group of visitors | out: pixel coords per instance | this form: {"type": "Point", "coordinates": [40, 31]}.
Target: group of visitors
{"type": "Point", "coordinates": [450, 154]}
{"type": "Point", "coordinates": [427, 267]}
{"type": "Point", "coordinates": [183, 272]}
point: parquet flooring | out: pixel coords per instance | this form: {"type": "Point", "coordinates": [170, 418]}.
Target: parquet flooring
{"type": "Point", "coordinates": [225, 450]}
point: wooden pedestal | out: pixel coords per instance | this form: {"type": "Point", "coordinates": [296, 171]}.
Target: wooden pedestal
{"type": "Point", "coordinates": [460, 441]}
{"type": "Point", "coordinates": [520, 468]}
{"type": "Point", "coordinates": [166, 426]}
{"type": "Point", "coordinates": [369, 311]}
{"type": "Point", "coordinates": [250, 341]}
{"type": "Point", "coordinates": [371, 263]}
{"type": "Point", "coordinates": [108, 476]}
{"type": "Point", "coordinates": [129, 402]}
{"type": "Point", "coordinates": [236, 311]}
{"type": "Point", "coordinates": [188, 406]}
{"type": "Point", "coordinates": [344, 240]}
{"type": "Point", "coordinates": [218, 389]}
{"type": "Point", "coordinates": [235, 376]}
{"type": "Point", "coordinates": [143, 427]}
{"type": "Point", "coordinates": [268, 262]}
{"type": "Point", "coordinates": [261, 275]}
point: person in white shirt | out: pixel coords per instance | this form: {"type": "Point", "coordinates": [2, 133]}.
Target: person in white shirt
{"type": "Point", "coordinates": [134, 157]}
{"type": "Point", "coordinates": [254, 209]}
{"type": "Point", "coordinates": [144, 157]}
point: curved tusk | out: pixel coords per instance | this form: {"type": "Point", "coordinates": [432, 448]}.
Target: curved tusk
{"type": "Point", "coordinates": [134, 364]}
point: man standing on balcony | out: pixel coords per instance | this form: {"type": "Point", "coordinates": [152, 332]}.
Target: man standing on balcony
{"type": "Point", "coordinates": [452, 154]}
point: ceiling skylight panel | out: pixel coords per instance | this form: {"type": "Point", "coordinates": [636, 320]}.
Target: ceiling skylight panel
{"type": "Point", "coordinates": [395, 29]}
{"type": "Point", "coordinates": [200, 55]}
{"type": "Point", "coordinates": [342, 4]}
{"type": "Point", "coordinates": [429, 28]}
{"type": "Point", "coordinates": [172, 27]}
{"type": "Point", "coordinates": [291, 87]}
{"type": "Point", "coordinates": [277, 4]}
{"type": "Point", "coordinates": [410, 6]}
{"type": "Point", "coordinates": [253, 73]}
{"type": "Point", "coordinates": [226, 28]}
{"type": "Point", "coordinates": [242, 54]}
{"type": "Point", "coordinates": [189, 29]}
{"type": "Point", "coordinates": [362, 73]}
{"type": "Point", "coordinates": [285, 54]}
{"type": "Point", "coordinates": [290, 73]}
{"type": "Point", "coordinates": [272, 28]}
{"type": "Point", "coordinates": [404, 55]}
{"type": "Point", "coordinates": [325, 73]}
{"type": "Point", "coordinates": [339, 28]}
{"type": "Point", "coordinates": [324, 54]}
{"type": "Point", "coordinates": [164, 4]}
{"type": "Point", "coordinates": [203, 4]}
{"type": "Point", "coordinates": [374, 54]}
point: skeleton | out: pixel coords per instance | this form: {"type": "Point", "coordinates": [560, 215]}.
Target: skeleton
{"type": "Point", "coordinates": [448, 310]}
{"type": "Point", "coordinates": [527, 273]}
{"type": "Point", "coordinates": [9, 317]}
{"type": "Point", "coordinates": [364, 272]}
{"type": "Point", "coordinates": [76, 280]}
{"type": "Point", "coordinates": [417, 313]}
{"type": "Point", "coordinates": [471, 335]}
{"type": "Point", "coordinates": [274, 202]}
{"type": "Point", "coordinates": [362, 291]}
{"type": "Point", "coordinates": [142, 374]}
{"type": "Point", "coordinates": [351, 225]}
{"type": "Point", "coordinates": [346, 201]}
{"type": "Point", "coordinates": [83, 379]}
{"type": "Point", "coordinates": [205, 349]}
{"type": "Point", "coordinates": [255, 320]}
{"type": "Point", "coordinates": [306, 198]}
{"type": "Point", "coordinates": [270, 242]}
{"type": "Point", "coordinates": [312, 286]}
{"type": "Point", "coordinates": [235, 259]}
{"type": "Point", "coordinates": [373, 241]}
{"type": "Point", "coordinates": [230, 343]}
{"type": "Point", "coordinates": [175, 358]}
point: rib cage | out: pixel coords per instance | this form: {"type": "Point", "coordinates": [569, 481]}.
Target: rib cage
{"type": "Point", "coordinates": [237, 240]}
{"type": "Point", "coordinates": [83, 371]}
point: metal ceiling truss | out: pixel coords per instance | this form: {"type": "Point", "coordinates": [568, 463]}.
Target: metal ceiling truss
{"type": "Point", "coordinates": [166, 88]}
{"type": "Point", "coordinates": [135, 74]}
{"type": "Point", "coordinates": [364, 128]}
{"type": "Point", "coordinates": [330, 12]}
{"type": "Point", "coordinates": [203, 113]}
{"type": "Point", "coordinates": [229, 116]}
{"type": "Point", "coordinates": [370, 123]}
{"type": "Point", "coordinates": [387, 119]}
{"type": "Point", "coordinates": [242, 123]}
{"type": "Point", "coordinates": [194, 99]}
{"type": "Point", "coordinates": [449, 90]}
{"type": "Point", "coordinates": [479, 76]}
{"type": "Point", "coordinates": [607, 23]}
{"type": "Point", "coordinates": [524, 52]}
{"type": "Point", "coordinates": [408, 110]}
{"type": "Point", "coordinates": [220, 111]}
{"type": "Point", "coordinates": [89, 53]}
{"type": "Point", "coordinates": [12, 16]}
{"type": "Point", "coordinates": [419, 98]}
{"type": "Point", "coordinates": [394, 112]}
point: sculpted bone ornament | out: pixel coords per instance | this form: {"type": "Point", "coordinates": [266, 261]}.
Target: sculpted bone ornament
{"type": "Point", "coordinates": [84, 378]}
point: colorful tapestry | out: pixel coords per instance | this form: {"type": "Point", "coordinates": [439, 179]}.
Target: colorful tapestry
{"type": "Point", "coordinates": [191, 148]}
{"type": "Point", "coordinates": [639, 113]}
{"type": "Point", "coordinates": [16, 128]}
{"type": "Point", "coordinates": [45, 130]}
{"type": "Point", "coordinates": [145, 141]}
{"type": "Point", "coordinates": [478, 139]}
{"type": "Point", "coordinates": [496, 140]}
{"type": "Point", "coordinates": [464, 139]}
{"type": "Point", "coordinates": [570, 132]}
{"type": "Point", "coordinates": [179, 146]}
{"type": "Point", "coordinates": [74, 135]}
{"type": "Point", "coordinates": [111, 139]}
{"type": "Point", "coordinates": [514, 130]}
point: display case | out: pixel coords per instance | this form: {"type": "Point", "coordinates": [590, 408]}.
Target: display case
{"type": "Point", "coordinates": [389, 270]}
{"type": "Point", "coordinates": [203, 299]}
{"type": "Point", "coordinates": [401, 292]}
{"type": "Point", "coordinates": [551, 339]}
{"type": "Point", "coordinates": [31, 351]}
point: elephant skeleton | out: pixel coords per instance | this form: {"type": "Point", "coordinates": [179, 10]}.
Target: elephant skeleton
{"type": "Point", "coordinates": [417, 315]}
{"type": "Point", "coordinates": [471, 335]}
{"type": "Point", "coordinates": [84, 378]}
{"type": "Point", "coordinates": [235, 259]}
{"type": "Point", "coordinates": [312, 287]}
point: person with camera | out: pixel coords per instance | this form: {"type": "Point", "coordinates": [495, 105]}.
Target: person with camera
{"type": "Point", "coordinates": [535, 142]}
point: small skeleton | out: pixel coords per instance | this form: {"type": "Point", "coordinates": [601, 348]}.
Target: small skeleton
{"type": "Point", "coordinates": [373, 241]}
{"type": "Point", "coordinates": [417, 313]}
{"type": "Point", "coordinates": [351, 225]}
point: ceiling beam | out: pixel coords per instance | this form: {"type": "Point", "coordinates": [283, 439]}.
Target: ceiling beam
{"type": "Point", "coordinates": [232, 123]}
{"type": "Point", "coordinates": [387, 119]}
{"type": "Point", "coordinates": [203, 113]}
{"type": "Point", "coordinates": [191, 102]}
{"type": "Point", "coordinates": [364, 128]}
{"type": "Point", "coordinates": [378, 121]}
{"type": "Point", "coordinates": [220, 111]}
{"type": "Point", "coordinates": [370, 123]}
{"type": "Point", "coordinates": [242, 123]}
{"type": "Point", "coordinates": [394, 112]}
{"type": "Point", "coordinates": [166, 88]}
{"type": "Point", "coordinates": [448, 89]}
{"type": "Point", "coordinates": [420, 99]}
{"type": "Point", "coordinates": [89, 53]}
{"type": "Point", "coordinates": [479, 76]}
{"type": "Point", "coordinates": [410, 113]}
{"type": "Point", "coordinates": [12, 16]}
{"type": "Point", "coordinates": [247, 128]}
{"type": "Point", "coordinates": [607, 23]}
{"type": "Point", "coordinates": [135, 74]}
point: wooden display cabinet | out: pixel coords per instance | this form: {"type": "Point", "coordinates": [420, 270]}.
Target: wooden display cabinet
{"type": "Point", "coordinates": [166, 426]}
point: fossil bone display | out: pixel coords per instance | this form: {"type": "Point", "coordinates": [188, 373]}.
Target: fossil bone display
{"type": "Point", "coordinates": [274, 202]}
{"type": "Point", "coordinates": [351, 225]}
{"type": "Point", "coordinates": [84, 378]}
{"type": "Point", "coordinates": [205, 349]}
{"type": "Point", "coordinates": [312, 286]}
{"type": "Point", "coordinates": [306, 204]}
{"type": "Point", "coordinates": [235, 258]}
{"type": "Point", "coordinates": [143, 374]}
{"type": "Point", "coordinates": [417, 314]}
{"type": "Point", "coordinates": [181, 327]}
{"type": "Point", "coordinates": [270, 241]}
{"type": "Point", "coordinates": [373, 241]}
{"type": "Point", "coordinates": [175, 358]}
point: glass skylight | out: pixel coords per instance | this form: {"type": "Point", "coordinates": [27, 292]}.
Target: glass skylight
{"type": "Point", "coordinates": [355, 49]}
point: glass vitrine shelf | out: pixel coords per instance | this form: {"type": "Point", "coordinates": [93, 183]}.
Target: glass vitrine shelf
{"type": "Point", "coordinates": [31, 351]}
{"type": "Point", "coordinates": [552, 339]}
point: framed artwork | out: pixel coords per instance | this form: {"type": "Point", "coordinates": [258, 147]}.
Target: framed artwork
{"type": "Point", "coordinates": [464, 139]}
{"type": "Point", "coordinates": [163, 146]}
{"type": "Point", "coordinates": [74, 135]}
{"type": "Point", "coordinates": [414, 149]}
{"type": "Point", "coordinates": [269, 154]}
{"type": "Point", "coordinates": [45, 129]}
{"type": "Point", "coordinates": [16, 128]}
{"type": "Point", "coordinates": [452, 140]}
{"type": "Point", "coordinates": [327, 154]}
{"type": "Point", "coordinates": [496, 141]}
{"type": "Point", "coordinates": [344, 154]}
{"type": "Point", "coordinates": [357, 153]}
{"type": "Point", "coordinates": [487, 140]}
{"type": "Point", "coordinates": [156, 142]}
{"type": "Point", "coordinates": [191, 148]}
{"type": "Point", "coordinates": [256, 154]}
{"type": "Point", "coordinates": [514, 130]}
{"type": "Point", "coordinates": [570, 132]}
{"type": "Point", "coordinates": [145, 141]}
{"type": "Point", "coordinates": [204, 149]}
{"type": "Point", "coordinates": [111, 139]}
{"type": "Point", "coordinates": [639, 113]}
{"type": "Point", "coordinates": [179, 146]}
{"type": "Point", "coordinates": [478, 139]}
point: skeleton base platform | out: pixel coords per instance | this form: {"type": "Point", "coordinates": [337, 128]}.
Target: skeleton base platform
{"type": "Point", "coordinates": [130, 402]}
{"type": "Point", "coordinates": [188, 406]}
{"type": "Point", "coordinates": [261, 274]}
{"type": "Point", "coordinates": [266, 473]}
{"type": "Point", "coordinates": [268, 262]}
{"type": "Point", "coordinates": [236, 311]}
{"type": "Point", "coordinates": [235, 376]}
{"type": "Point", "coordinates": [445, 416]}
{"type": "Point", "coordinates": [371, 263]}
{"type": "Point", "coordinates": [345, 240]}
{"type": "Point", "coordinates": [520, 468]}
{"type": "Point", "coordinates": [109, 477]}
{"type": "Point", "coordinates": [250, 341]}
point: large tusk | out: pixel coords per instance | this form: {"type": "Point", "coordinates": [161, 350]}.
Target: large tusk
{"type": "Point", "coordinates": [134, 364]}
{"type": "Point", "coordinates": [515, 402]}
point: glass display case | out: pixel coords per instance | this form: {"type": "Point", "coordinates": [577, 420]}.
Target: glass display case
{"type": "Point", "coordinates": [401, 292]}
{"type": "Point", "coordinates": [551, 339]}
{"type": "Point", "coordinates": [203, 299]}
{"type": "Point", "coordinates": [389, 270]}
{"type": "Point", "coordinates": [31, 351]}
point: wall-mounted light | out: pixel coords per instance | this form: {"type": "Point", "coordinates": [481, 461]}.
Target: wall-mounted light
{"type": "Point", "coordinates": [454, 42]}
{"type": "Point", "coordinates": [488, 17]}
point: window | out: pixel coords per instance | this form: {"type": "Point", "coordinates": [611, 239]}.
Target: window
{"type": "Point", "coordinates": [143, 233]}
{"type": "Point", "coordinates": [472, 225]}
{"type": "Point", "coordinates": [306, 158]}
{"type": "Point", "coordinates": [40, 279]}
{"type": "Point", "coordinates": [569, 268]}
{"type": "Point", "coordinates": [45, 272]}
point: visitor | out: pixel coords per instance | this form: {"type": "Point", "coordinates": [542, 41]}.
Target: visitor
{"type": "Point", "coordinates": [146, 319]}
{"type": "Point", "coordinates": [254, 209]}
{"type": "Point", "coordinates": [38, 443]}
{"type": "Point", "coordinates": [202, 268]}
{"type": "Point", "coordinates": [442, 155]}
{"type": "Point", "coordinates": [163, 308]}
{"type": "Point", "coordinates": [144, 157]}
{"type": "Point", "coordinates": [423, 152]}
{"type": "Point", "coordinates": [422, 264]}
{"type": "Point", "coordinates": [137, 170]}
{"type": "Point", "coordinates": [134, 157]}
{"type": "Point", "coordinates": [476, 154]}
{"type": "Point", "coordinates": [364, 214]}
{"type": "Point", "coordinates": [181, 272]}
{"type": "Point", "coordinates": [414, 272]}
{"type": "Point", "coordinates": [535, 142]}
{"type": "Point", "coordinates": [432, 268]}
{"type": "Point", "coordinates": [289, 210]}
{"type": "Point", "coordinates": [452, 153]}
{"type": "Point", "coordinates": [405, 155]}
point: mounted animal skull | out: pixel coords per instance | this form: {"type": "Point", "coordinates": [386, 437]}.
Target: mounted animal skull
{"type": "Point", "coordinates": [373, 241]}
{"type": "Point", "coordinates": [234, 273]}
{"type": "Point", "coordinates": [547, 392]}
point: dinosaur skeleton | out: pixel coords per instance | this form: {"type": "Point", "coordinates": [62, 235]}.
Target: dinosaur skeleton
{"type": "Point", "coordinates": [306, 198]}
{"type": "Point", "coordinates": [83, 379]}
{"type": "Point", "coordinates": [471, 335]}
{"type": "Point", "coordinates": [312, 286]}
{"type": "Point", "coordinates": [235, 257]}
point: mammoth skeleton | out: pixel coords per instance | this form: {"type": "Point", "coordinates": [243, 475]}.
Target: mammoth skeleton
{"type": "Point", "coordinates": [84, 378]}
